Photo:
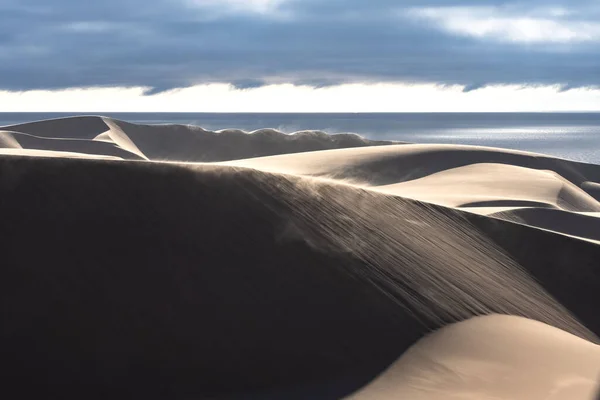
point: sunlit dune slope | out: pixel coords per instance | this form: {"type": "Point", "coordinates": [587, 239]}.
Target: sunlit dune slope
{"type": "Point", "coordinates": [494, 357]}
{"type": "Point", "coordinates": [478, 179]}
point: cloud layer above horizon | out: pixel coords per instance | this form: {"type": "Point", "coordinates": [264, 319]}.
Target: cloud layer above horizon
{"type": "Point", "coordinates": [162, 45]}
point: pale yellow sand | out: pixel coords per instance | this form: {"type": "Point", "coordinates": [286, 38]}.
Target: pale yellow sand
{"type": "Point", "coordinates": [95, 148]}
{"type": "Point", "coordinates": [496, 184]}
{"type": "Point", "coordinates": [483, 180]}
{"type": "Point", "coordinates": [54, 154]}
{"type": "Point", "coordinates": [490, 358]}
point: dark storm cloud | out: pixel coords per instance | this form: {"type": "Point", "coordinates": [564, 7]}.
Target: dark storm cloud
{"type": "Point", "coordinates": [170, 44]}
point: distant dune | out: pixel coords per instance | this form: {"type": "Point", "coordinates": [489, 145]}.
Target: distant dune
{"type": "Point", "coordinates": [517, 186]}
{"type": "Point", "coordinates": [105, 136]}
{"type": "Point", "coordinates": [132, 270]}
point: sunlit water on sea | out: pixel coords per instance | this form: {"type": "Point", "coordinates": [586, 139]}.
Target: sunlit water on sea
{"type": "Point", "coordinates": [574, 136]}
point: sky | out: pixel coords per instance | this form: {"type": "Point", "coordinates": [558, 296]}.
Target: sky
{"type": "Point", "coordinates": [299, 55]}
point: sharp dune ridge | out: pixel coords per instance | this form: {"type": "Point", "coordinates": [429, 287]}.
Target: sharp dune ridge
{"type": "Point", "coordinates": [435, 264]}
{"type": "Point", "coordinates": [19, 140]}
{"type": "Point", "coordinates": [315, 275]}
{"type": "Point", "coordinates": [182, 142]}
{"type": "Point", "coordinates": [477, 179]}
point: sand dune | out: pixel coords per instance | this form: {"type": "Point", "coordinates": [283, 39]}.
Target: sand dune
{"type": "Point", "coordinates": [583, 225]}
{"type": "Point", "coordinates": [462, 361]}
{"type": "Point", "coordinates": [293, 276]}
{"type": "Point", "coordinates": [67, 128]}
{"type": "Point", "coordinates": [497, 185]}
{"type": "Point", "coordinates": [8, 140]}
{"type": "Point", "coordinates": [395, 164]}
{"type": "Point", "coordinates": [482, 180]}
{"type": "Point", "coordinates": [593, 188]}
{"type": "Point", "coordinates": [53, 153]}
{"type": "Point", "coordinates": [176, 142]}
{"type": "Point", "coordinates": [253, 281]}
{"type": "Point", "coordinates": [82, 146]}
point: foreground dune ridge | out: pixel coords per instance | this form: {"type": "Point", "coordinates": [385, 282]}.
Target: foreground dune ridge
{"type": "Point", "coordinates": [457, 272]}
{"type": "Point", "coordinates": [427, 263]}
{"type": "Point", "coordinates": [466, 360]}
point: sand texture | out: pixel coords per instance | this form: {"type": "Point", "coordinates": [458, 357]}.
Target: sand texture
{"type": "Point", "coordinates": [173, 262]}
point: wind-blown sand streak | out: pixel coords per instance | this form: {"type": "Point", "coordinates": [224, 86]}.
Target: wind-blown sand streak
{"type": "Point", "coordinates": [478, 179]}
{"type": "Point", "coordinates": [435, 262]}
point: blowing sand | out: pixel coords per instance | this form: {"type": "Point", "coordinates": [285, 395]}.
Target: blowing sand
{"type": "Point", "coordinates": [132, 270]}
{"type": "Point", "coordinates": [512, 185]}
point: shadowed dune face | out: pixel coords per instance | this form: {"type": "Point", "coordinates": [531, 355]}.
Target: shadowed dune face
{"type": "Point", "coordinates": [173, 283]}
{"type": "Point", "coordinates": [213, 281]}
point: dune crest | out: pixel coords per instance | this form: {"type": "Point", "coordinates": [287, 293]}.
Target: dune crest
{"type": "Point", "coordinates": [482, 180]}
{"type": "Point", "coordinates": [182, 143]}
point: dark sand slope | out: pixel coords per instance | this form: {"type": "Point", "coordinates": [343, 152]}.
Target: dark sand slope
{"type": "Point", "coordinates": [155, 280]}
{"type": "Point", "coordinates": [173, 142]}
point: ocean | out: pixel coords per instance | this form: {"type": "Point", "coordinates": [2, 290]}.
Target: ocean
{"type": "Point", "coordinates": [574, 136]}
